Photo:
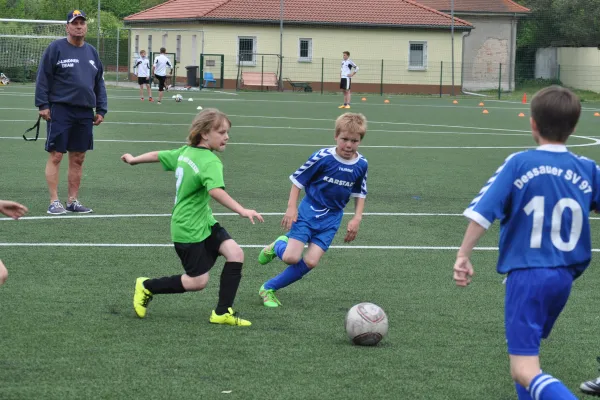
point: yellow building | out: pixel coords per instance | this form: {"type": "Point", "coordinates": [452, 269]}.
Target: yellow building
{"type": "Point", "coordinates": [400, 46]}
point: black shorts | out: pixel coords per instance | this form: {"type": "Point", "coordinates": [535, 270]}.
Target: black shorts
{"type": "Point", "coordinates": [345, 84]}
{"type": "Point", "coordinates": [161, 82]}
{"type": "Point", "coordinates": [143, 80]}
{"type": "Point", "coordinates": [198, 258]}
{"type": "Point", "coordinates": [69, 129]}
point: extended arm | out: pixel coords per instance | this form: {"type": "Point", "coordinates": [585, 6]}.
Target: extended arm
{"type": "Point", "coordinates": [150, 157]}
{"type": "Point", "coordinates": [226, 200]}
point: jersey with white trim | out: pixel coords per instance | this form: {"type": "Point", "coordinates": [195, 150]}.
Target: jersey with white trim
{"type": "Point", "coordinates": [160, 65]}
{"type": "Point", "coordinates": [329, 180]}
{"type": "Point", "coordinates": [142, 66]}
{"type": "Point", "coordinates": [543, 199]}
{"type": "Point", "coordinates": [347, 66]}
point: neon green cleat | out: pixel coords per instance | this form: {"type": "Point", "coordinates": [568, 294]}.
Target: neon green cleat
{"type": "Point", "coordinates": [268, 253]}
{"type": "Point", "coordinates": [141, 297]}
{"type": "Point", "coordinates": [269, 298]}
{"type": "Point", "coordinates": [229, 318]}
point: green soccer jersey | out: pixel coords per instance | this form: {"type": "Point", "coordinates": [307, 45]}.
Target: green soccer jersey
{"type": "Point", "coordinates": [198, 170]}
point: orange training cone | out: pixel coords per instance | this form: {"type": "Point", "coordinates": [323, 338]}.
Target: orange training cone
{"type": "Point", "coordinates": [521, 115]}
{"type": "Point", "coordinates": [455, 102]}
{"type": "Point", "coordinates": [524, 98]}
{"type": "Point", "coordinates": [364, 99]}
{"type": "Point", "coordinates": [486, 112]}
{"type": "Point", "coordinates": [386, 101]}
{"type": "Point", "coordinates": [596, 114]}
{"type": "Point", "coordinates": [481, 104]}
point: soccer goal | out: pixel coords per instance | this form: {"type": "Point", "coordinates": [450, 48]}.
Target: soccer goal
{"type": "Point", "coordinates": [257, 70]}
{"type": "Point", "coordinates": [22, 43]}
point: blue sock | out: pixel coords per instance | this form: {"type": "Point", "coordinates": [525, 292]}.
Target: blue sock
{"type": "Point", "coordinates": [279, 248]}
{"type": "Point", "coordinates": [546, 387]}
{"type": "Point", "coordinates": [290, 275]}
{"type": "Point", "coordinates": [522, 393]}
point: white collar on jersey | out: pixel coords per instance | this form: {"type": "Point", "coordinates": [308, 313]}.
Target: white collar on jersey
{"type": "Point", "coordinates": [555, 148]}
{"type": "Point", "coordinates": [343, 160]}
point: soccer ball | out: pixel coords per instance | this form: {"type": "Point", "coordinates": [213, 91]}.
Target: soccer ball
{"type": "Point", "coordinates": [366, 324]}
{"type": "Point", "coordinates": [178, 98]}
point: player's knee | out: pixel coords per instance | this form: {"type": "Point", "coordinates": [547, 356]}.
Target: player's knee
{"type": "Point", "coordinates": [76, 158]}
{"type": "Point", "coordinates": [291, 259]}
{"type": "Point", "coordinates": [236, 254]}
{"type": "Point", "coordinates": [196, 283]}
{"type": "Point", "coordinates": [311, 262]}
{"type": "Point", "coordinates": [56, 157]}
{"type": "Point", "coordinates": [523, 374]}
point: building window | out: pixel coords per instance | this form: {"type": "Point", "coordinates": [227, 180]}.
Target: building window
{"type": "Point", "coordinates": [178, 49]}
{"type": "Point", "coordinates": [150, 45]}
{"type": "Point", "coordinates": [417, 56]}
{"type": "Point", "coordinates": [164, 40]}
{"type": "Point", "coordinates": [247, 50]}
{"type": "Point", "coordinates": [137, 45]}
{"type": "Point", "coordinates": [304, 50]}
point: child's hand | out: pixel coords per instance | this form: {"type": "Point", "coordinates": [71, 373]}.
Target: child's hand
{"type": "Point", "coordinates": [12, 209]}
{"type": "Point", "coordinates": [128, 158]}
{"type": "Point", "coordinates": [251, 214]}
{"type": "Point", "coordinates": [291, 216]}
{"type": "Point", "coordinates": [352, 230]}
{"type": "Point", "coordinates": [463, 271]}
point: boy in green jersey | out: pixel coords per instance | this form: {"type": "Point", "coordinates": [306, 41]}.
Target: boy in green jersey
{"type": "Point", "coordinates": [198, 237]}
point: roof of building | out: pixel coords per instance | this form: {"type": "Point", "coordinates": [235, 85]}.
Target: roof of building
{"type": "Point", "coordinates": [478, 6]}
{"type": "Point", "coordinates": [400, 13]}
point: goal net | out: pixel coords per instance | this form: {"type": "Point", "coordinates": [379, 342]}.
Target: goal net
{"type": "Point", "coordinates": [22, 43]}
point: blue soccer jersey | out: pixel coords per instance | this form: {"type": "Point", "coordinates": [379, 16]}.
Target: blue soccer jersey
{"type": "Point", "coordinates": [543, 199]}
{"type": "Point", "coordinates": [329, 180]}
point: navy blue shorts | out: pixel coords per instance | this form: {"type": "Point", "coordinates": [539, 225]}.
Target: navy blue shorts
{"type": "Point", "coordinates": [69, 129]}
{"type": "Point", "coordinates": [534, 299]}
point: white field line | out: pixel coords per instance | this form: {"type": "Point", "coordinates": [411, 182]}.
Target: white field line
{"type": "Point", "coordinates": [227, 214]}
{"type": "Point", "coordinates": [294, 128]}
{"type": "Point", "coordinates": [297, 119]}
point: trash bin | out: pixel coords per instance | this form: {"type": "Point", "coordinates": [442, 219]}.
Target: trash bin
{"type": "Point", "coordinates": [192, 74]}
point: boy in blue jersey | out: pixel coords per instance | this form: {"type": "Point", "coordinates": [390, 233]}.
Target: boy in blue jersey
{"type": "Point", "coordinates": [330, 177]}
{"type": "Point", "coordinates": [543, 198]}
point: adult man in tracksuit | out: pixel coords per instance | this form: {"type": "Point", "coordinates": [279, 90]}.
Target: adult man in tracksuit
{"type": "Point", "coordinates": [69, 86]}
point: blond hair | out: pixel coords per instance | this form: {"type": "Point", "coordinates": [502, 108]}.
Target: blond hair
{"type": "Point", "coordinates": [351, 123]}
{"type": "Point", "coordinates": [203, 123]}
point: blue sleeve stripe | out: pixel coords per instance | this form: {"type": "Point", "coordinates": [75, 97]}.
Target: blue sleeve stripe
{"type": "Point", "coordinates": [489, 183]}
{"type": "Point", "coordinates": [311, 161]}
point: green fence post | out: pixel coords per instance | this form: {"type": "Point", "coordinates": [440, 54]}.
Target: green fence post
{"type": "Point", "coordinates": [322, 73]}
{"type": "Point", "coordinates": [500, 82]}
{"type": "Point", "coordinates": [441, 76]}
{"type": "Point", "coordinates": [559, 73]}
{"type": "Point", "coordinates": [381, 84]}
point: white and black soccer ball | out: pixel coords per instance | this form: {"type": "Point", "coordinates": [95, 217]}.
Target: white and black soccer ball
{"type": "Point", "coordinates": [366, 324]}
{"type": "Point", "coordinates": [178, 98]}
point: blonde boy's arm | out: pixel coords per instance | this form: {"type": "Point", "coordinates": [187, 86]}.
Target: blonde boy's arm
{"type": "Point", "coordinates": [354, 223]}
{"type": "Point", "coordinates": [150, 157]}
{"type": "Point", "coordinates": [226, 200]}
{"type": "Point", "coordinates": [463, 269]}
{"type": "Point", "coordinates": [291, 214]}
